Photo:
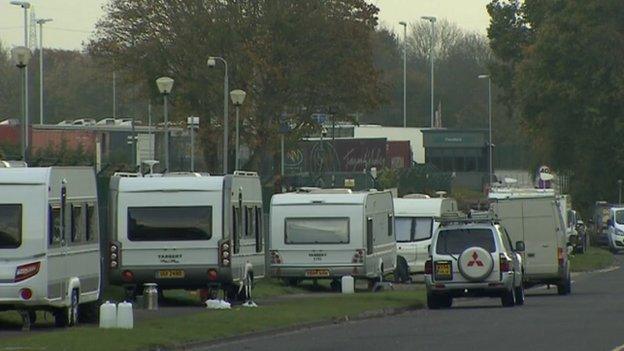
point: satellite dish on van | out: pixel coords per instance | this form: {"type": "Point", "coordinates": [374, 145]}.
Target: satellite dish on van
{"type": "Point", "coordinates": [151, 164]}
{"type": "Point", "coordinates": [440, 193]}
{"type": "Point", "coordinates": [546, 176]}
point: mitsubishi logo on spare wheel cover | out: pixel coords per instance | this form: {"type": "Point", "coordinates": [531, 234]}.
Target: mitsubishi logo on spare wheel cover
{"type": "Point", "coordinates": [475, 263]}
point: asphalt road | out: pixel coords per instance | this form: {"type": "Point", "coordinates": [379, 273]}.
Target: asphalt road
{"type": "Point", "coordinates": [592, 318]}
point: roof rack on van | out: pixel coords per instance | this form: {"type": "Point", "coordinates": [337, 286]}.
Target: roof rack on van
{"type": "Point", "coordinates": [127, 175]}
{"type": "Point", "coordinates": [331, 191]}
{"type": "Point", "coordinates": [246, 173]}
{"type": "Point", "coordinates": [416, 196]}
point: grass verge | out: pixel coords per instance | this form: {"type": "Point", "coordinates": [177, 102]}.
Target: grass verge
{"type": "Point", "coordinates": [208, 325]}
{"type": "Point", "coordinates": [595, 258]}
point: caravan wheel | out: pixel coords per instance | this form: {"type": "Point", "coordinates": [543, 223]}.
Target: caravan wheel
{"type": "Point", "coordinates": [68, 316]}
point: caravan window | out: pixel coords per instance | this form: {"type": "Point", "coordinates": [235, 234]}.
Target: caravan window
{"type": "Point", "coordinates": [413, 228]}
{"type": "Point", "coordinates": [76, 223]}
{"type": "Point", "coordinates": [317, 230]}
{"type": "Point", "coordinates": [258, 229]}
{"type": "Point", "coordinates": [55, 234]}
{"type": "Point", "coordinates": [170, 223]}
{"type": "Point", "coordinates": [10, 226]}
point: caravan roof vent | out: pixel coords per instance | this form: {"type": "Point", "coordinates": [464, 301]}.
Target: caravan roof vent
{"type": "Point", "coordinates": [245, 173]}
{"type": "Point", "coordinates": [331, 191]}
{"type": "Point", "coordinates": [417, 196]}
{"type": "Point", "coordinates": [127, 175]}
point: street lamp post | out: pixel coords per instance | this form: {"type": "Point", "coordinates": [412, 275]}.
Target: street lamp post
{"type": "Point", "coordinates": [431, 56]}
{"type": "Point", "coordinates": [165, 84]}
{"type": "Point", "coordinates": [20, 56]}
{"type": "Point", "coordinates": [619, 191]}
{"type": "Point", "coordinates": [192, 124]}
{"type": "Point", "coordinates": [212, 61]}
{"type": "Point", "coordinates": [41, 22]}
{"type": "Point", "coordinates": [25, 5]}
{"type": "Point", "coordinates": [404, 24]}
{"type": "Point", "coordinates": [238, 97]}
{"type": "Point", "coordinates": [487, 76]}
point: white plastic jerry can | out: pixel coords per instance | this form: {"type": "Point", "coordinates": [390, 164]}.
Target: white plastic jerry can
{"type": "Point", "coordinates": [348, 284]}
{"type": "Point", "coordinates": [108, 315]}
{"type": "Point", "coordinates": [124, 315]}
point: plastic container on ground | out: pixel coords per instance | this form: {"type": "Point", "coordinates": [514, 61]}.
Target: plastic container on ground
{"type": "Point", "coordinates": [125, 318]}
{"type": "Point", "coordinates": [348, 285]}
{"type": "Point", "coordinates": [108, 315]}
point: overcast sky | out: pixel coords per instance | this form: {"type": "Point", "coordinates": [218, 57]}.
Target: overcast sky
{"type": "Point", "coordinates": [75, 19]}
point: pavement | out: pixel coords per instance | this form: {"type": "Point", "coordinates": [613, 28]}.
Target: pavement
{"type": "Point", "coordinates": [591, 318]}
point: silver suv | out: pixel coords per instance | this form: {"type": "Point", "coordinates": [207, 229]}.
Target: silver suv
{"type": "Point", "coordinates": [470, 257]}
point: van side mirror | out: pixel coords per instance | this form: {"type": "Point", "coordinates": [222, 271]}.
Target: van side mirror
{"type": "Point", "coordinates": [429, 249]}
{"type": "Point", "coordinates": [520, 246]}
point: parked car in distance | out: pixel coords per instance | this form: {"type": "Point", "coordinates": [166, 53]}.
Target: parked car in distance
{"type": "Point", "coordinates": [417, 217]}
{"type": "Point", "coordinates": [473, 258]}
{"type": "Point", "coordinates": [615, 229]}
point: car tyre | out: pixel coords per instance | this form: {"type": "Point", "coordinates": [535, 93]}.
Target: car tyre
{"type": "Point", "coordinates": [565, 286]}
{"type": "Point", "coordinates": [401, 271]}
{"type": "Point", "coordinates": [508, 299]}
{"type": "Point", "coordinates": [519, 294]}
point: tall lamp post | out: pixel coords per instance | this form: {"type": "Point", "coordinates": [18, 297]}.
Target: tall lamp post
{"type": "Point", "coordinates": [404, 24]}
{"type": "Point", "coordinates": [25, 5]}
{"type": "Point", "coordinates": [20, 56]}
{"type": "Point", "coordinates": [431, 56]}
{"type": "Point", "coordinates": [487, 76]}
{"type": "Point", "coordinates": [192, 123]}
{"type": "Point", "coordinates": [212, 62]}
{"type": "Point", "coordinates": [238, 97]}
{"type": "Point", "coordinates": [41, 22]}
{"type": "Point", "coordinates": [619, 191]}
{"type": "Point", "coordinates": [165, 84]}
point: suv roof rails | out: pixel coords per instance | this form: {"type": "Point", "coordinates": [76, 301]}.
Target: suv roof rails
{"type": "Point", "coordinates": [331, 191]}
{"type": "Point", "coordinates": [473, 217]}
{"type": "Point", "coordinates": [246, 173]}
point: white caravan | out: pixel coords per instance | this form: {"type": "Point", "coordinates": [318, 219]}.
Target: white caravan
{"type": "Point", "coordinates": [330, 233]}
{"type": "Point", "coordinates": [185, 230]}
{"type": "Point", "coordinates": [417, 217]}
{"type": "Point", "coordinates": [49, 243]}
{"type": "Point", "coordinates": [534, 216]}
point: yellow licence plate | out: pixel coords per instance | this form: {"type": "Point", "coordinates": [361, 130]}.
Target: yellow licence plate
{"type": "Point", "coordinates": [443, 270]}
{"type": "Point", "coordinates": [317, 273]}
{"type": "Point", "coordinates": [170, 274]}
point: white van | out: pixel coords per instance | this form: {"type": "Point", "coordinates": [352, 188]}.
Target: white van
{"type": "Point", "coordinates": [416, 219]}
{"type": "Point", "coordinates": [615, 229]}
{"type": "Point", "coordinates": [49, 243]}
{"type": "Point", "coordinates": [185, 230]}
{"type": "Point", "coordinates": [330, 233]}
{"type": "Point", "coordinates": [534, 216]}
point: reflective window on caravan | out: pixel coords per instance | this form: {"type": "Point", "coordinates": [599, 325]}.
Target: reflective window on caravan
{"type": "Point", "coordinates": [10, 226]}
{"type": "Point", "coordinates": [422, 228]}
{"type": "Point", "coordinates": [55, 234]}
{"type": "Point", "coordinates": [169, 223]}
{"type": "Point", "coordinates": [413, 228]}
{"type": "Point", "coordinates": [317, 230]}
{"type": "Point", "coordinates": [403, 227]}
{"type": "Point", "coordinates": [77, 223]}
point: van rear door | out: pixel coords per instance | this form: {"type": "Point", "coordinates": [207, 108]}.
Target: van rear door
{"type": "Point", "coordinates": [540, 236]}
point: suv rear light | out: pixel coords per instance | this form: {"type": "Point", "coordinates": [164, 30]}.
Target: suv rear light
{"type": "Point", "coordinates": [560, 256]}
{"type": "Point", "coordinates": [275, 257]}
{"type": "Point", "coordinates": [429, 267]}
{"type": "Point", "coordinates": [224, 253]}
{"type": "Point", "coordinates": [359, 256]}
{"type": "Point", "coordinates": [114, 254]}
{"type": "Point", "coordinates": [212, 275]}
{"type": "Point", "coordinates": [505, 263]}
{"type": "Point", "coordinates": [26, 294]}
{"type": "Point", "coordinates": [26, 271]}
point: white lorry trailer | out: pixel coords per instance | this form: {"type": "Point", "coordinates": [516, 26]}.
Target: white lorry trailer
{"type": "Point", "coordinates": [330, 233]}
{"type": "Point", "coordinates": [185, 230]}
{"type": "Point", "coordinates": [49, 243]}
{"type": "Point", "coordinates": [534, 216]}
{"type": "Point", "coordinates": [417, 217]}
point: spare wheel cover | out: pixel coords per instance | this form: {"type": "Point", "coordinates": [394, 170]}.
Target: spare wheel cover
{"type": "Point", "coordinates": [475, 263]}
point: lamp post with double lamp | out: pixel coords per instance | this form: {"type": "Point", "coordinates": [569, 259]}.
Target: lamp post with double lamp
{"type": "Point", "coordinates": [25, 5]}
{"type": "Point", "coordinates": [165, 84]}
{"type": "Point", "coordinates": [238, 97]}
{"type": "Point", "coordinates": [487, 76]}
{"type": "Point", "coordinates": [212, 62]}
{"type": "Point", "coordinates": [41, 22]}
{"type": "Point", "coordinates": [20, 56]}
{"type": "Point", "coordinates": [404, 24]}
{"type": "Point", "coordinates": [192, 123]}
{"type": "Point", "coordinates": [431, 56]}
